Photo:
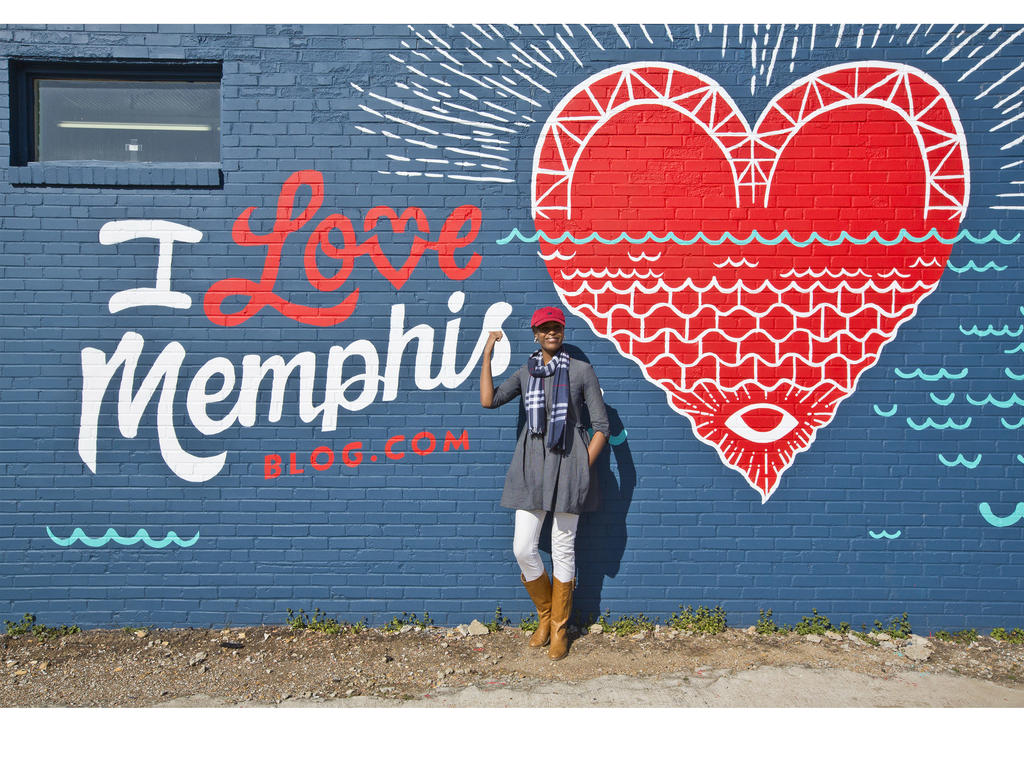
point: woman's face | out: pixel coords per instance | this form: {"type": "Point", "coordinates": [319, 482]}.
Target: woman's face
{"type": "Point", "coordinates": [550, 337]}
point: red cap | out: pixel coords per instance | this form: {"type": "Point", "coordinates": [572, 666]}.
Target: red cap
{"type": "Point", "coordinates": [547, 315]}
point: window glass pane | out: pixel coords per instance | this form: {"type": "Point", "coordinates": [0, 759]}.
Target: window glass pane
{"type": "Point", "coordinates": [127, 121]}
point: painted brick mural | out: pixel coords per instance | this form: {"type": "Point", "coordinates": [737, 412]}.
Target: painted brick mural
{"type": "Point", "coordinates": [792, 254]}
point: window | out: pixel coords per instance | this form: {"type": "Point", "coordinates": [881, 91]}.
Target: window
{"type": "Point", "coordinates": [115, 113]}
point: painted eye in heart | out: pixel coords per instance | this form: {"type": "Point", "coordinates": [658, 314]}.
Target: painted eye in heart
{"type": "Point", "coordinates": [785, 423]}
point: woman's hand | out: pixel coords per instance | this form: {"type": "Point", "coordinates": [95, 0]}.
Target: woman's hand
{"type": "Point", "coordinates": [486, 382]}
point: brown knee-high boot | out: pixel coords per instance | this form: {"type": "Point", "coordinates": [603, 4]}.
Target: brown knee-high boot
{"type": "Point", "coordinates": [540, 593]}
{"type": "Point", "coordinates": [561, 608]}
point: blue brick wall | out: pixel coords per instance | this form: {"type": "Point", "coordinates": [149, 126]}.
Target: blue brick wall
{"type": "Point", "coordinates": [425, 533]}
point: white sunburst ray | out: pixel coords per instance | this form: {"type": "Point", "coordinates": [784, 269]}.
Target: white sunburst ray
{"type": "Point", "coordinates": [532, 82]}
{"type": "Point", "coordinates": [592, 37]}
{"type": "Point", "coordinates": [568, 48]}
{"type": "Point", "coordinates": [961, 45]}
{"type": "Point", "coordinates": [775, 53]}
{"type": "Point", "coordinates": [536, 49]}
{"type": "Point", "coordinates": [473, 41]}
{"type": "Point", "coordinates": [625, 39]}
{"type": "Point", "coordinates": [479, 58]}
{"type": "Point", "coordinates": [1000, 81]}
{"type": "Point", "coordinates": [941, 40]}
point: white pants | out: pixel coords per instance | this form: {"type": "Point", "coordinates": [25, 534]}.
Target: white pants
{"type": "Point", "coordinates": [563, 544]}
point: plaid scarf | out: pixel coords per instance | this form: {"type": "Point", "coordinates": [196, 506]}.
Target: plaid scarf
{"type": "Point", "coordinates": [559, 368]}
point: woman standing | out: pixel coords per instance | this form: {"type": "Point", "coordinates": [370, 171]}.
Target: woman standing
{"type": "Point", "coordinates": [551, 467]}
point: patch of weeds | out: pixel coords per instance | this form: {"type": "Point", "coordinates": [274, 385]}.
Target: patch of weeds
{"type": "Point", "coordinates": [320, 623]}
{"type": "Point", "coordinates": [626, 625]}
{"type": "Point", "coordinates": [28, 625]}
{"type": "Point", "coordinates": [130, 630]}
{"type": "Point", "coordinates": [529, 623]}
{"type": "Point", "coordinates": [408, 619]}
{"type": "Point", "coordinates": [865, 636]}
{"type": "Point", "coordinates": [1015, 636]}
{"type": "Point", "coordinates": [499, 621]}
{"type": "Point", "coordinates": [964, 636]}
{"type": "Point", "coordinates": [709, 621]}
{"type": "Point", "coordinates": [766, 624]}
{"type": "Point", "coordinates": [898, 627]}
{"type": "Point", "coordinates": [819, 625]}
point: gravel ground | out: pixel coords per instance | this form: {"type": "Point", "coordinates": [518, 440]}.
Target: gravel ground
{"type": "Point", "coordinates": [280, 666]}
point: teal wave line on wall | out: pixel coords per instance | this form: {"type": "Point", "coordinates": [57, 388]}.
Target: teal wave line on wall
{"type": "Point", "coordinates": [941, 374]}
{"type": "Point", "coordinates": [1008, 425]}
{"type": "Point", "coordinates": [1014, 399]}
{"type": "Point", "coordinates": [884, 535]}
{"type": "Point", "coordinates": [886, 414]}
{"type": "Point", "coordinates": [814, 237]}
{"type": "Point", "coordinates": [1010, 374]}
{"type": "Point", "coordinates": [940, 401]}
{"type": "Point", "coordinates": [1001, 522]}
{"type": "Point", "coordinates": [1018, 348]}
{"type": "Point", "coordinates": [990, 331]}
{"type": "Point", "coordinates": [970, 266]}
{"type": "Point", "coordinates": [112, 535]}
{"type": "Point", "coordinates": [930, 424]}
{"type": "Point", "coordinates": [961, 460]}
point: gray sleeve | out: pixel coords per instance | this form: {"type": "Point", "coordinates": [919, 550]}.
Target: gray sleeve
{"type": "Point", "coordinates": [509, 389]}
{"type": "Point", "coordinates": [595, 402]}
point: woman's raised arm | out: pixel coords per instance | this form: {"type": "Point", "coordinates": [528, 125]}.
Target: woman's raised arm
{"type": "Point", "coordinates": [486, 382]}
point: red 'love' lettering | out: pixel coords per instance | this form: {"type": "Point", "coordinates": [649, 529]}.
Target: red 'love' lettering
{"type": "Point", "coordinates": [261, 294]}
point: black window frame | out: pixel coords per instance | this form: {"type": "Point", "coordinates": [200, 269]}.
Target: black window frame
{"type": "Point", "coordinates": [24, 72]}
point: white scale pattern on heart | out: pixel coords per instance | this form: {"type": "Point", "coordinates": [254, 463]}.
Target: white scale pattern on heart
{"type": "Point", "coordinates": [626, 296]}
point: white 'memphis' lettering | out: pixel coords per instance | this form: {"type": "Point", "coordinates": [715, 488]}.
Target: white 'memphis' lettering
{"type": "Point", "coordinates": [215, 383]}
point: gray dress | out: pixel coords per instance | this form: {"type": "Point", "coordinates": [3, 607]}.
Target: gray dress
{"type": "Point", "coordinates": [539, 478]}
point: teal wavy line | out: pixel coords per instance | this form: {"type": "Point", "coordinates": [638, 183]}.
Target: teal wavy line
{"type": "Point", "coordinates": [961, 460]}
{"type": "Point", "coordinates": [618, 439]}
{"type": "Point", "coordinates": [1020, 458]}
{"type": "Point", "coordinates": [1018, 348]}
{"type": "Point", "coordinates": [1013, 375]}
{"type": "Point", "coordinates": [1001, 522]}
{"type": "Point", "coordinates": [942, 374]}
{"type": "Point", "coordinates": [880, 412]}
{"type": "Point", "coordinates": [970, 266]}
{"type": "Point", "coordinates": [990, 331]}
{"type": "Point", "coordinates": [112, 535]}
{"type": "Point", "coordinates": [989, 400]}
{"type": "Point", "coordinates": [929, 424]}
{"type": "Point", "coordinates": [884, 535]}
{"type": "Point", "coordinates": [1008, 425]}
{"type": "Point", "coordinates": [939, 401]}
{"type": "Point", "coordinates": [814, 237]}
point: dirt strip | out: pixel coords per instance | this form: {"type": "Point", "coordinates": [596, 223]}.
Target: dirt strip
{"type": "Point", "coordinates": [268, 666]}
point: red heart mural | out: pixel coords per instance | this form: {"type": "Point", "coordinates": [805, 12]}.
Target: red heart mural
{"type": "Point", "coordinates": [755, 338]}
